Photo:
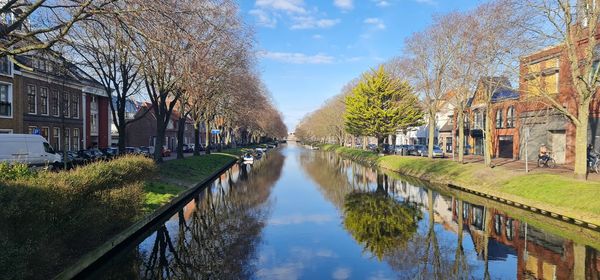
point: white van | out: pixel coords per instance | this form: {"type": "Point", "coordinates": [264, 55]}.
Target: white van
{"type": "Point", "coordinates": [30, 149]}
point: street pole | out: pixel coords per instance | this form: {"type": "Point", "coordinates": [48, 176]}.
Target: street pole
{"type": "Point", "coordinates": [526, 153]}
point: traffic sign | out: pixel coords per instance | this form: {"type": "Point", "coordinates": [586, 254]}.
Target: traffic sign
{"type": "Point", "coordinates": [215, 131]}
{"type": "Point", "coordinates": [35, 131]}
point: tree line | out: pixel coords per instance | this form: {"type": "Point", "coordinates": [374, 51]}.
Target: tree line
{"type": "Point", "coordinates": [195, 57]}
{"type": "Point", "coordinates": [460, 53]}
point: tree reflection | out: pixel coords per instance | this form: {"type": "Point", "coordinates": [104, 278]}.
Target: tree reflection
{"type": "Point", "coordinates": [217, 233]}
{"type": "Point", "coordinates": [378, 221]}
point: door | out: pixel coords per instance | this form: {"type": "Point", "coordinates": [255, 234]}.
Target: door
{"type": "Point", "coordinates": [559, 143]}
{"type": "Point", "coordinates": [505, 146]}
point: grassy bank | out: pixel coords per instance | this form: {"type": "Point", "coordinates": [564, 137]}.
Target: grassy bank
{"type": "Point", "coordinates": [361, 156]}
{"type": "Point", "coordinates": [51, 219]}
{"type": "Point", "coordinates": [178, 175]}
{"type": "Point", "coordinates": [558, 193]}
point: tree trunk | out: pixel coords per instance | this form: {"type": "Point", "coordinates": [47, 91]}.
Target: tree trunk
{"type": "Point", "coordinates": [581, 138]}
{"type": "Point", "coordinates": [380, 142]}
{"type": "Point", "coordinates": [364, 144]}
{"type": "Point", "coordinates": [207, 133]}
{"type": "Point", "coordinates": [196, 138]}
{"type": "Point", "coordinates": [180, 134]}
{"type": "Point", "coordinates": [431, 135]}
{"type": "Point", "coordinates": [487, 137]}
{"type": "Point", "coordinates": [461, 136]}
{"type": "Point", "coordinates": [122, 137]}
{"type": "Point", "coordinates": [160, 139]}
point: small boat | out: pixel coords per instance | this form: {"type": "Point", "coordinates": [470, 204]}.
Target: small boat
{"type": "Point", "coordinates": [248, 158]}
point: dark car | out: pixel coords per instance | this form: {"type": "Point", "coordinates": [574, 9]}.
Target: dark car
{"type": "Point", "coordinates": [97, 154]}
{"type": "Point", "coordinates": [420, 150]}
{"type": "Point", "coordinates": [86, 156]}
{"type": "Point", "coordinates": [145, 151]}
{"type": "Point", "coordinates": [188, 148]}
{"type": "Point", "coordinates": [131, 151]}
{"type": "Point", "coordinates": [110, 153]}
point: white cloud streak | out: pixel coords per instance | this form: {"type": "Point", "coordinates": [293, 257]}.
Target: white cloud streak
{"type": "Point", "coordinates": [375, 22]}
{"type": "Point", "coordinates": [344, 4]}
{"type": "Point", "coordinates": [297, 58]}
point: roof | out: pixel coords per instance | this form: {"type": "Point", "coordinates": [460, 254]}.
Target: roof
{"type": "Point", "coordinates": [503, 94]}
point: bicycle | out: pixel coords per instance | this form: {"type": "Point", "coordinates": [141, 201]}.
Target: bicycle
{"type": "Point", "coordinates": [548, 161]}
{"type": "Point", "coordinates": [594, 164]}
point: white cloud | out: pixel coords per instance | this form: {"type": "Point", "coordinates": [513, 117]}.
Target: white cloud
{"type": "Point", "coordinates": [290, 6]}
{"type": "Point", "coordinates": [267, 13]}
{"type": "Point", "coordinates": [263, 18]}
{"type": "Point", "coordinates": [317, 36]}
{"type": "Point", "coordinates": [428, 2]}
{"type": "Point", "coordinates": [376, 22]}
{"type": "Point", "coordinates": [341, 273]}
{"type": "Point", "coordinates": [309, 22]}
{"type": "Point", "coordinates": [344, 4]}
{"type": "Point", "coordinates": [381, 3]}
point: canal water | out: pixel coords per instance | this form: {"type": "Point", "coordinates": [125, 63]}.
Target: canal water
{"type": "Point", "coordinates": [303, 214]}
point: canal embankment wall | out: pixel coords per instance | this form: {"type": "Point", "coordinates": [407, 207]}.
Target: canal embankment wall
{"type": "Point", "coordinates": [558, 196]}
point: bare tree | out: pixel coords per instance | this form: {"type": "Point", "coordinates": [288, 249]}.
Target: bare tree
{"type": "Point", "coordinates": [40, 24]}
{"type": "Point", "coordinates": [572, 28]}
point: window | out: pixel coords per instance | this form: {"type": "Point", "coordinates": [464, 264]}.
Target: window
{"type": "Point", "coordinates": [510, 117]}
{"type": "Point", "coordinates": [44, 131]}
{"type": "Point", "coordinates": [67, 140]}
{"type": "Point", "coordinates": [499, 121]}
{"type": "Point", "coordinates": [48, 148]}
{"type": "Point", "coordinates": [6, 131]}
{"type": "Point", "coordinates": [509, 229]}
{"type": "Point", "coordinates": [94, 103]}
{"type": "Point", "coordinates": [5, 66]}
{"type": "Point", "coordinates": [75, 106]}
{"type": "Point", "coordinates": [31, 100]}
{"type": "Point", "coordinates": [449, 144]}
{"type": "Point", "coordinates": [6, 100]}
{"type": "Point", "coordinates": [54, 102]}
{"type": "Point", "coordinates": [76, 139]}
{"type": "Point", "coordinates": [65, 104]}
{"type": "Point", "coordinates": [44, 101]}
{"type": "Point", "coordinates": [94, 123]}
{"type": "Point", "coordinates": [56, 137]}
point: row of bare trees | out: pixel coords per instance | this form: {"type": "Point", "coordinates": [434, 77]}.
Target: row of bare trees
{"type": "Point", "coordinates": [193, 57]}
{"type": "Point", "coordinates": [484, 50]}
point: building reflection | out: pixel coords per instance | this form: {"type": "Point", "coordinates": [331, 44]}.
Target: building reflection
{"type": "Point", "coordinates": [496, 236]}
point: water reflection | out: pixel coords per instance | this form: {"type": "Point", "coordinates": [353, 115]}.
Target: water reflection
{"type": "Point", "coordinates": [456, 239]}
{"type": "Point", "coordinates": [214, 236]}
{"type": "Point", "coordinates": [320, 216]}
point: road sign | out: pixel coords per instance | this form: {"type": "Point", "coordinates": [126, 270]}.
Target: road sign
{"type": "Point", "coordinates": [35, 131]}
{"type": "Point", "coordinates": [215, 131]}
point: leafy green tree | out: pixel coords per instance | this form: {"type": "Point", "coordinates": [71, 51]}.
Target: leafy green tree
{"type": "Point", "coordinates": [380, 105]}
{"type": "Point", "coordinates": [380, 222]}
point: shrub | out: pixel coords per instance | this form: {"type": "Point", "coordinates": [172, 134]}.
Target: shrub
{"type": "Point", "coordinates": [14, 171]}
{"type": "Point", "coordinates": [50, 220]}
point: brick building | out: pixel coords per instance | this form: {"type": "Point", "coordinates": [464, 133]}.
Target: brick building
{"type": "Point", "coordinates": [47, 96]}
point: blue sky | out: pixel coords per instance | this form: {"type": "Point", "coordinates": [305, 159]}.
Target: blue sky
{"type": "Point", "coordinates": [309, 49]}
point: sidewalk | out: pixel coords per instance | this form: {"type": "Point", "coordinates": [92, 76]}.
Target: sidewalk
{"type": "Point", "coordinates": [519, 165]}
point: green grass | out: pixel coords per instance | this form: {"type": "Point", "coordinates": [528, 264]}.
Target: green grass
{"type": "Point", "coordinates": [560, 193]}
{"type": "Point", "coordinates": [194, 169]}
{"type": "Point", "coordinates": [157, 194]}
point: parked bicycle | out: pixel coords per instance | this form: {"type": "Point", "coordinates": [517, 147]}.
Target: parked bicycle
{"type": "Point", "coordinates": [593, 162]}
{"type": "Point", "coordinates": [546, 161]}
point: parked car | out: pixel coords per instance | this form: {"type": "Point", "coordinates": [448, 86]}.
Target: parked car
{"type": "Point", "coordinates": [97, 154]}
{"type": "Point", "coordinates": [372, 147]}
{"type": "Point", "coordinates": [248, 158]}
{"type": "Point", "coordinates": [420, 150]}
{"type": "Point", "coordinates": [110, 153]}
{"type": "Point", "coordinates": [131, 151]}
{"type": "Point", "coordinates": [145, 151]}
{"type": "Point", "coordinates": [85, 156]}
{"type": "Point", "coordinates": [437, 152]}
{"type": "Point", "coordinates": [30, 149]}
{"type": "Point", "coordinates": [188, 148]}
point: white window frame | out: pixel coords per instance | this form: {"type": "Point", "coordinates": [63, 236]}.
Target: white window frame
{"type": "Point", "coordinates": [12, 101]}
{"type": "Point", "coordinates": [11, 69]}
{"type": "Point", "coordinates": [34, 99]}
{"type": "Point", "coordinates": [67, 135]}
{"type": "Point", "coordinates": [54, 136]}
{"type": "Point", "coordinates": [73, 97]}
{"type": "Point", "coordinates": [76, 139]}
{"type": "Point", "coordinates": [57, 102]}
{"type": "Point", "coordinates": [67, 111]}
{"type": "Point", "coordinates": [47, 101]}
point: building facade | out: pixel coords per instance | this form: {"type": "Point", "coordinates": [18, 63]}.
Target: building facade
{"type": "Point", "coordinates": [46, 96]}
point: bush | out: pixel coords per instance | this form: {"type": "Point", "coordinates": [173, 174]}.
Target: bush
{"type": "Point", "coordinates": [51, 219]}
{"type": "Point", "coordinates": [14, 171]}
